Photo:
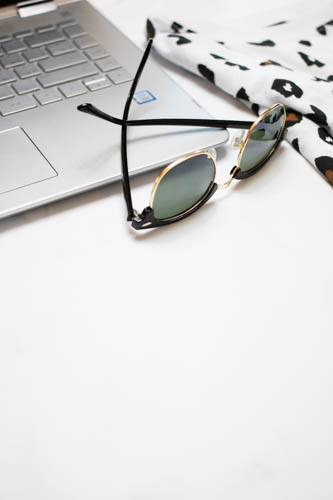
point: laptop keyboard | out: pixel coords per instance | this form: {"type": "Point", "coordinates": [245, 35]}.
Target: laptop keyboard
{"type": "Point", "coordinates": [52, 63]}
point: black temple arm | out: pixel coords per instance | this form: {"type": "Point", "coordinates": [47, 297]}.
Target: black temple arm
{"type": "Point", "coordinates": [191, 122]}
{"type": "Point", "coordinates": [126, 181]}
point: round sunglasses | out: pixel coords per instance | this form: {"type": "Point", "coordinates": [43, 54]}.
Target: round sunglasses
{"type": "Point", "coordinates": [187, 183]}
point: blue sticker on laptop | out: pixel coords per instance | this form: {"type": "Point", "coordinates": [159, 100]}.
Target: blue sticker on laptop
{"type": "Point", "coordinates": [143, 96]}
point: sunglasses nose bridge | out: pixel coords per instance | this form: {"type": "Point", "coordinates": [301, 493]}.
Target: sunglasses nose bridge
{"type": "Point", "coordinates": [212, 152]}
{"type": "Point", "coordinates": [228, 182]}
{"type": "Point", "coordinates": [238, 139]}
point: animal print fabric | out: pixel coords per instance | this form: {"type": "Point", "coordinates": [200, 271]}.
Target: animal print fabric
{"type": "Point", "coordinates": [288, 61]}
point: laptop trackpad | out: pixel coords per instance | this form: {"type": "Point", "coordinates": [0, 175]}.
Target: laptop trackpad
{"type": "Point", "coordinates": [21, 162]}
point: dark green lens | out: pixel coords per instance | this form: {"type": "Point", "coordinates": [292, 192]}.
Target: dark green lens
{"type": "Point", "coordinates": [183, 186]}
{"type": "Point", "coordinates": [263, 139]}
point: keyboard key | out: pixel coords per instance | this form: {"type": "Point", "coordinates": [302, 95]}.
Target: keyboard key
{"type": "Point", "coordinates": [84, 42]}
{"type": "Point", "coordinates": [11, 60]}
{"type": "Point", "coordinates": [64, 24]}
{"type": "Point", "coordinates": [64, 61]}
{"type": "Point", "coordinates": [17, 104]}
{"type": "Point", "coordinates": [67, 75]}
{"type": "Point", "coordinates": [22, 34]}
{"type": "Point", "coordinates": [25, 86]}
{"type": "Point", "coordinates": [97, 83]}
{"type": "Point", "coordinates": [60, 48]}
{"type": "Point", "coordinates": [96, 53]}
{"type": "Point", "coordinates": [108, 64]}
{"type": "Point", "coordinates": [7, 76]}
{"type": "Point", "coordinates": [44, 38]}
{"type": "Point", "coordinates": [32, 55]}
{"type": "Point", "coordinates": [15, 45]}
{"type": "Point", "coordinates": [72, 89]}
{"type": "Point", "coordinates": [74, 31]}
{"type": "Point", "coordinates": [27, 70]}
{"type": "Point", "coordinates": [119, 76]}
{"type": "Point", "coordinates": [43, 29]}
{"type": "Point", "coordinates": [5, 92]}
{"type": "Point", "coordinates": [4, 37]}
{"type": "Point", "coordinates": [48, 96]}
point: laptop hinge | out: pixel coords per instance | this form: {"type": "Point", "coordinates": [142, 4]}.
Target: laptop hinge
{"type": "Point", "coordinates": [35, 7]}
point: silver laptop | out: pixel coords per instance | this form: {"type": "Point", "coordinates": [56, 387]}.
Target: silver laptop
{"type": "Point", "coordinates": [55, 55]}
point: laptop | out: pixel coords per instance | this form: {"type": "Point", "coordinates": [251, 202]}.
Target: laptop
{"type": "Point", "coordinates": [55, 55]}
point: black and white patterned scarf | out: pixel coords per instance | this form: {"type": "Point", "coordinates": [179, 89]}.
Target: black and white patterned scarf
{"type": "Point", "coordinates": [289, 61]}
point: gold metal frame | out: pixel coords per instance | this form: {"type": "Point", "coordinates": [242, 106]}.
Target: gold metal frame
{"type": "Point", "coordinates": [207, 153]}
{"type": "Point", "coordinates": [254, 124]}
{"type": "Point", "coordinates": [173, 165]}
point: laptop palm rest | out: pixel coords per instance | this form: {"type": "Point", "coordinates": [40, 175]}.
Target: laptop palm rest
{"type": "Point", "coordinates": [21, 162]}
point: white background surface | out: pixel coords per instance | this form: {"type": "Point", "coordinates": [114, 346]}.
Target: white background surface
{"type": "Point", "coordinates": [188, 362]}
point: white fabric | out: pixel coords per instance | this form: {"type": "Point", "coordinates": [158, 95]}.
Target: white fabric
{"type": "Point", "coordinates": [294, 66]}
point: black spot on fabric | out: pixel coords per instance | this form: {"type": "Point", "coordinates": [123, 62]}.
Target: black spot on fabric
{"type": "Point", "coordinates": [287, 88]}
{"type": "Point", "coordinates": [318, 116]}
{"type": "Point", "coordinates": [255, 108]}
{"type": "Point", "coordinates": [190, 31]}
{"type": "Point", "coordinates": [292, 117]}
{"type": "Point", "coordinates": [269, 62]}
{"type": "Point", "coordinates": [150, 29]}
{"type": "Point", "coordinates": [325, 136]}
{"type": "Point", "coordinates": [182, 40]}
{"type": "Point", "coordinates": [305, 42]}
{"type": "Point", "coordinates": [222, 43]}
{"type": "Point", "coordinates": [325, 165]}
{"type": "Point", "coordinates": [230, 63]}
{"type": "Point", "coordinates": [321, 29]}
{"type": "Point", "coordinates": [241, 94]}
{"type": "Point", "coordinates": [206, 72]}
{"type": "Point", "coordinates": [328, 79]}
{"type": "Point", "coordinates": [217, 56]}
{"type": "Point", "coordinates": [176, 27]}
{"type": "Point", "coordinates": [295, 144]}
{"type": "Point", "coordinates": [310, 61]}
{"type": "Point", "coordinates": [264, 43]}
{"type": "Point", "coordinates": [240, 66]}
{"type": "Point", "coordinates": [276, 24]}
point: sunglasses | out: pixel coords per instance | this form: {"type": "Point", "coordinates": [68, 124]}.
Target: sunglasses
{"type": "Point", "coordinates": [187, 183]}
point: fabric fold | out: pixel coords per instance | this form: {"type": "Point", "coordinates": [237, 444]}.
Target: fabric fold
{"type": "Point", "coordinates": [289, 61]}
